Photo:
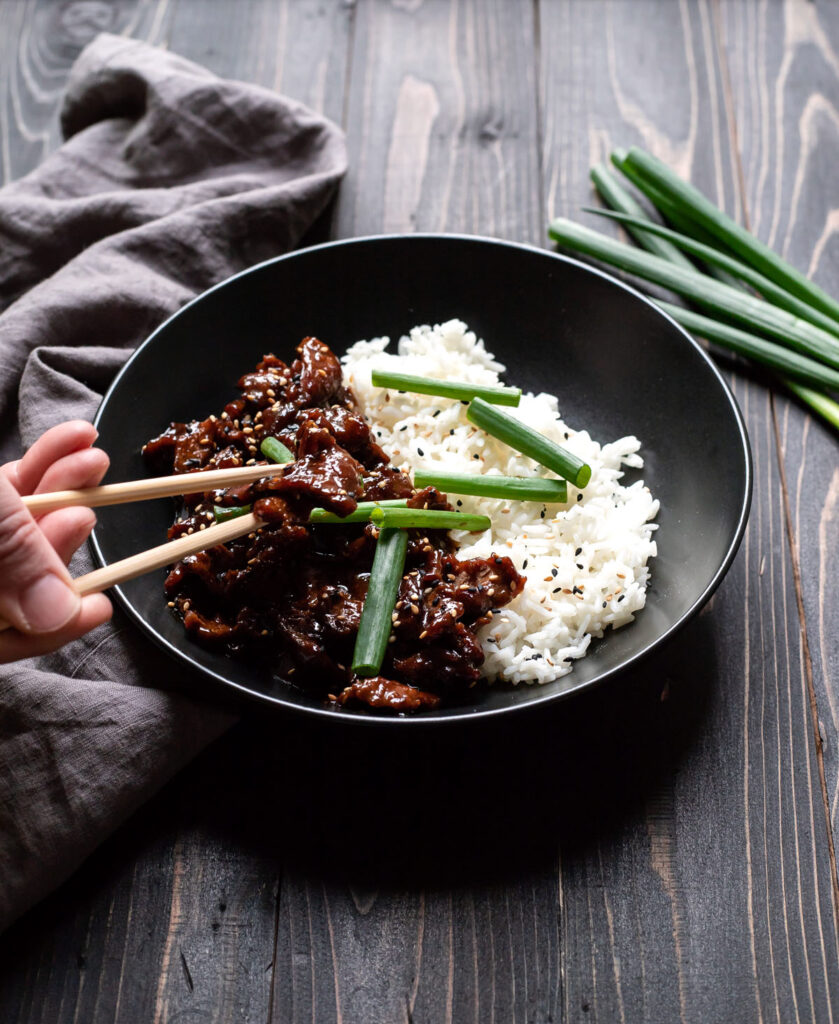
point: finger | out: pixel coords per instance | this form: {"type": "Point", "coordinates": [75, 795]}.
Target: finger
{"type": "Point", "coordinates": [84, 468]}
{"type": "Point", "coordinates": [94, 610]}
{"type": "Point", "coordinates": [36, 593]}
{"type": "Point", "coordinates": [49, 448]}
{"type": "Point", "coordinates": [9, 470]}
{"type": "Point", "coordinates": [67, 529]}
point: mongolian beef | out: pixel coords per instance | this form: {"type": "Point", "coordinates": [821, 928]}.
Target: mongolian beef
{"type": "Point", "coordinates": [290, 596]}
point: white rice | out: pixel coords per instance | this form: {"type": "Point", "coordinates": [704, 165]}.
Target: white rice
{"type": "Point", "coordinates": [569, 598]}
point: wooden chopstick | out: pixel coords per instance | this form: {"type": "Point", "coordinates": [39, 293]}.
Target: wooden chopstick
{"type": "Point", "coordinates": [154, 487]}
{"type": "Point", "coordinates": [162, 555]}
{"type": "Point", "coordinates": [165, 554]}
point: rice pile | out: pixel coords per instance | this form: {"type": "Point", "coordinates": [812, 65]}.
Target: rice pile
{"type": "Point", "coordinates": [585, 561]}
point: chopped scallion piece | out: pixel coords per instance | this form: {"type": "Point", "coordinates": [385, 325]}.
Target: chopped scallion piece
{"type": "Point", "coordinates": [375, 625]}
{"type": "Point", "coordinates": [275, 450]}
{"type": "Point", "coordinates": [360, 515]}
{"type": "Point", "coordinates": [461, 390]}
{"type": "Point", "coordinates": [529, 442]}
{"type": "Point", "coordinates": [222, 513]}
{"type": "Point", "coordinates": [514, 487]}
{"type": "Point", "coordinates": [429, 519]}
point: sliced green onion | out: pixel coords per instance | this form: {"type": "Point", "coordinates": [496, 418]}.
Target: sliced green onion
{"type": "Point", "coordinates": [275, 450]}
{"type": "Point", "coordinates": [222, 513]}
{"type": "Point", "coordinates": [613, 194]}
{"type": "Point", "coordinates": [818, 402]}
{"type": "Point", "coordinates": [720, 298]}
{"type": "Point", "coordinates": [361, 513]}
{"type": "Point", "coordinates": [515, 487]}
{"type": "Point", "coordinates": [375, 625]}
{"type": "Point", "coordinates": [446, 388]}
{"type": "Point", "coordinates": [529, 442]}
{"type": "Point", "coordinates": [762, 351]}
{"type": "Point", "coordinates": [701, 210]}
{"type": "Point", "coordinates": [768, 289]}
{"type": "Point", "coordinates": [429, 519]}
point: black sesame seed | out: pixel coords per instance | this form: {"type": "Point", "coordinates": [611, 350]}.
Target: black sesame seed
{"type": "Point", "coordinates": [459, 501]}
{"type": "Point", "coordinates": [405, 427]}
{"type": "Point", "coordinates": [451, 433]}
{"type": "Point", "coordinates": [420, 451]}
{"type": "Point", "coordinates": [436, 413]}
{"type": "Point", "coordinates": [542, 514]}
{"type": "Point", "coordinates": [557, 590]}
{"type": "Point", "coordinates": [554, 572]}
{"type": "Point", "coordinates": [463, 401]}
{"type": "Point", "coordinates": [621, 598]}
{"type": "Point", "coordinates": [579, 551]}
{"type": "Point", "coordinates": [580, 498]}
{"type": "Point", "coordinates": [579, 565]}
{"type": "Point", "coordinates": [524, 564]}
{"type": "Point", "coordinates": [476, 456]}
{"type": "Point", "coordinates": [576, 590]}
{"type": "Point", "coordinates": [604, 604]}
{"type": "Point", "coordinates": [566, 435]}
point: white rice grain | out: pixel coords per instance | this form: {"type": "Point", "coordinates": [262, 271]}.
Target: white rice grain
{"type": "Point", "coordinates": [585, 560]}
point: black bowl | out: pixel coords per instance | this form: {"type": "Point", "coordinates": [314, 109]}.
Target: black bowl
{"type": "Point", "coordinates": [618, 365]}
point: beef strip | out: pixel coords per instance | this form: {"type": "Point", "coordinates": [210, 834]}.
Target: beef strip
{"type": "Point", "coordinates": [290, 596]}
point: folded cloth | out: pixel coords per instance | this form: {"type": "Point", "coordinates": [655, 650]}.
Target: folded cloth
{"type": "Point", "coordinates": [170, 179]}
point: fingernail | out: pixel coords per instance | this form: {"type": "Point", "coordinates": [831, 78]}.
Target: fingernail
{"type": "Point", "coordinates": [48, 604]}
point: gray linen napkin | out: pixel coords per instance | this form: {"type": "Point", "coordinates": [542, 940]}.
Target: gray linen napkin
{"type": "Point", "coordinates": [170, 179]}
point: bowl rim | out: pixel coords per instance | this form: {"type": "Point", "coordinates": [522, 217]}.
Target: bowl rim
{"type": "Point", "coordinates": [459, 715]}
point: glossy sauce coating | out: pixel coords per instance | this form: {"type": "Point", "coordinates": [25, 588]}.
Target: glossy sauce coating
{"type": "Point", "coordinates": [290, 595]}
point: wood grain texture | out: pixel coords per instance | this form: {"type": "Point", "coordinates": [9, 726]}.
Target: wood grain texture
{"type": "Point", "coordinates": [784, 66]}
{"type": "Point", "coordinates": [719, 850]}
{"type": "Point", "coordinates": [445, 128]}
{"type": "Point", "coordinates": [657, 850]}
{"type": "Point", "coordinates": [300, 47]}
{"type": "Point", "coordinates": [39, 40]}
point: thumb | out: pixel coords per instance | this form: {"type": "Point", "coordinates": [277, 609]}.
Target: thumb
{"type": "Point", "coordinates": [36, 593]}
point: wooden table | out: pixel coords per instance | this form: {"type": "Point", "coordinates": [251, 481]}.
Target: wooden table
{"type": "Point", "coordinates": [660, 850]}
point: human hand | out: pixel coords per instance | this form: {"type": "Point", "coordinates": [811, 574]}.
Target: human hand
{"type": "Point", "coordinates": [36, 595]}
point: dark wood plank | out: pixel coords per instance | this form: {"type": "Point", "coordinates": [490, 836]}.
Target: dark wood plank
{"type": "Point", "coordinates": [299, 47]}
{"type": "Point", "coordinates": [39, 40]}
{"type": "Point", "coordinates": [184, 924]}
{"type": "Point", "coordinates": [445, 134]}
{"type": "Point", "coordinates": [784, 69]}
{"type": "Point", "coordinates": [725, 873]}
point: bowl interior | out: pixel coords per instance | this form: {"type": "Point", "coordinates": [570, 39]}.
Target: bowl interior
{"type": "Point", "coordinates": [617, 365]}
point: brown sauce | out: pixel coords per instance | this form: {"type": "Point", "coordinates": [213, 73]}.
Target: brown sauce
{"type": "Point", "coordinates": [290, 595]}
